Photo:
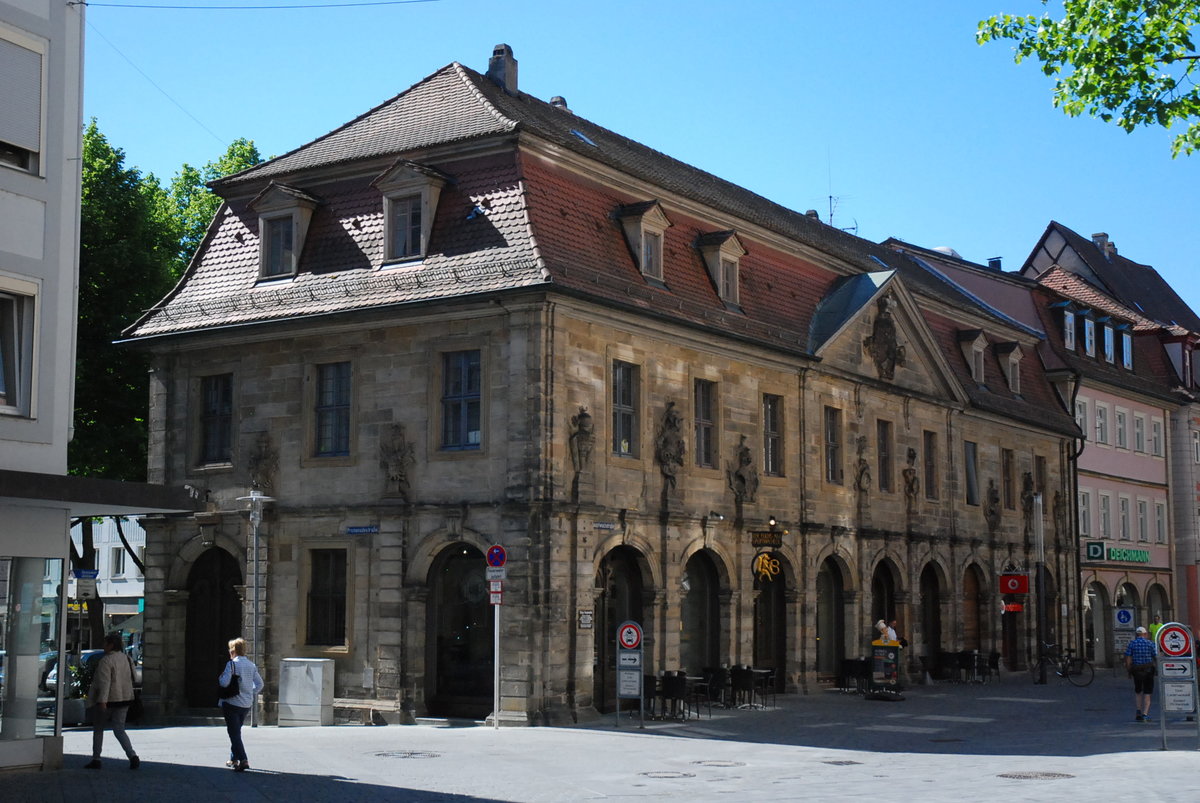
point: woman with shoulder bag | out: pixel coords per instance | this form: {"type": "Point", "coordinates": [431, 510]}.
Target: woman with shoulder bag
{"type": "Point", "coordinates": [240, 682]}
{"type": "Point", "coordinates": [110, 695]}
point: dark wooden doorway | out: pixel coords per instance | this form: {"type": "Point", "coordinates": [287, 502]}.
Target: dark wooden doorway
{"type": "Point", "coordinates": [619, 600]}
{"type": "Point", "coordinates": [460, 645]}
{"type": "Point", "coordinates": [214, 616]}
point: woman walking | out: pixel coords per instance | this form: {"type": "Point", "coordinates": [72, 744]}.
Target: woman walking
{"type": "Point", "coordinates": [110, 694]}
{"type": "Point", "coordinates": [235, 708]}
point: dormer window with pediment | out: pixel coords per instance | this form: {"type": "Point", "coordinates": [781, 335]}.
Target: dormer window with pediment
{"type": "Point", "coordinates": [645, 224]}
{"type": "Point", "coordinates": [410, 197]}
{"type": "Point", "coordinates": [284, 213]}
{"type": "Point", "coordinates": [1010, 355]}
{"type": "Point", "coordinates": [974, 344]}
{"type": "Point", "coordinates": [722, 252]}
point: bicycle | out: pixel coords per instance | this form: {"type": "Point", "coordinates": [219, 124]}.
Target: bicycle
{"type": "Point", "coordinates": [1077, 671]}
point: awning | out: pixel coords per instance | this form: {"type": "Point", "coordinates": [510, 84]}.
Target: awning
{"type": "Point", "coordinates": [90, 496]}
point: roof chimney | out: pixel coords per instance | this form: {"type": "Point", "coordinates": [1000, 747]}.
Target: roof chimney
{"type": "Point", "coordinates": [559, 102]}
{"type": "Point", "coordinates": [812, 213]}
{"type": "Point", "coordinates": [994, 263]}
{"type": "Point", "coordinates": [502, 69]}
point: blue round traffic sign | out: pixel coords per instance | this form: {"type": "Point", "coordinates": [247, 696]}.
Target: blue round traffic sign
{"type": "Point", "coordinates": [496, 556]}
{"type": "Point", "coordinates": [1124, 615]}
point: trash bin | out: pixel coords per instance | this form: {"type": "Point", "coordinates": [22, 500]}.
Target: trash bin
{"type": "Point", "coordinates": [305, 692]}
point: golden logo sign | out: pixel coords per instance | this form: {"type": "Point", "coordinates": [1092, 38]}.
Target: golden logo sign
{"type": "Point", "coordinates": [766, 566]}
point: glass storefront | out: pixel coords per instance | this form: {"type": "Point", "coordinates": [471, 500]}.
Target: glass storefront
{"type": "Point", "coordinates": [30, 627]}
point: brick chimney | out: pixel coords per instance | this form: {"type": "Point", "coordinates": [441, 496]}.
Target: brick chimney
{"type": "Point", "coordinates": [1105, 245]}
{"type": "Point", "coordinates": [502, 69]}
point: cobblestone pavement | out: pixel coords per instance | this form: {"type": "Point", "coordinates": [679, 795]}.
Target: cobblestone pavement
{"type": "Point", "coordinates": [1006, 741]}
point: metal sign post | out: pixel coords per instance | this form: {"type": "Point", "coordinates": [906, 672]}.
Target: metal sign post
{"type": "Point", "coordinates": [629, 668]}
{"type": "Point", "coordinates": [496, 575]}
{"type": "Point", "coordinates": [1176, 665]}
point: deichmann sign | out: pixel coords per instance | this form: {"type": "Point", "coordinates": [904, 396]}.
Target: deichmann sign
{"type": "Point", "coordinates": [1096, 551]}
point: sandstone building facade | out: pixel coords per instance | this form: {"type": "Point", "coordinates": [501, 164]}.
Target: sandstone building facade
{"type": "Point", "coordinates": [470, 317]}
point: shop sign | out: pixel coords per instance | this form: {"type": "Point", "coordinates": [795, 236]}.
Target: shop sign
{"type": "Point", "coordinates": [766, 539]}
{"type": "Point", "coordinates": [1014, 584]}
{"type": "Point", "coordinates": [1095, 550]}
{"type": "Point", "coordinates": [1014, 607]}
{"type": "Point", "coordinates": [766, 566]}
{"type": "Point", "coordinates": [1130, 555]}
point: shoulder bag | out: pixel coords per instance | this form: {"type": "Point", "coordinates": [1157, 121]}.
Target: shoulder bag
{"type": "Point", "coordinates": [232, 689]}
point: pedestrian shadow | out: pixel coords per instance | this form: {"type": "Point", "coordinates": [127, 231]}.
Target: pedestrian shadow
{"type": "Point", "coordinates": [165, 782]}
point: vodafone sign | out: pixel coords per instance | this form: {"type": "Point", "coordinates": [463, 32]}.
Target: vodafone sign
{"type": "Point", "coordinates": [1014, 584]}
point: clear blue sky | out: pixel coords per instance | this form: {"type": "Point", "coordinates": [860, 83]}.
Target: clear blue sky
{"type": "Point", "coordinates": [890, 107]}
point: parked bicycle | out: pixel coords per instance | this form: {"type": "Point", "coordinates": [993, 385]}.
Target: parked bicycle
{"type": "Point", "coordinates": [1077, 671]}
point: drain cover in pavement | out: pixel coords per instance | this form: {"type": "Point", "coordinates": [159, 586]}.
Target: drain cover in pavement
{"type": "Point", "coordinates": [667, 774]}
{"type": "Point", "coordinates": [720, 763]}
{"type": "Point", "coordinates": [1035, 776]}
{"type": "Point", "coordinates": [844, 763]}
{"type": "Point", "coordinates": [408, 754]}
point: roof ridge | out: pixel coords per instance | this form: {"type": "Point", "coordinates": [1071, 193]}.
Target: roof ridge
{"type": "Point", "coordinates": [250, 172]}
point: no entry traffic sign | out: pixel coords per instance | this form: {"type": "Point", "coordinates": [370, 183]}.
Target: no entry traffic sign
{"type": "Point", "coordinates": [1175, 641]}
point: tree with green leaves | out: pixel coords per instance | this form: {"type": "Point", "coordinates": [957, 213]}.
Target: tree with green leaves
{"type": "Point", "coordinates": [193, 204]}
{"type": "Point", "coordinates": [128, 247]}
{"type": "Point", "coordinates": [1132, 62]}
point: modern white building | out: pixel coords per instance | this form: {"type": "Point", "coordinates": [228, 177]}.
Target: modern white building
{"type": "Point", "coordinates": [41, 55]}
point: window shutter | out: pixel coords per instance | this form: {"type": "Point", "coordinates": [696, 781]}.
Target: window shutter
{"type": "Point", "coordinates": [20, 96]}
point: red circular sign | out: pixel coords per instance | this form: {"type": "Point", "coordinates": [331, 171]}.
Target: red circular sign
{"type": "Point", "coordinates": [1174, 641]}
{"type": "Point", "coordinates": [496, 556]}
{"type": "Point", "coordinates": [629, 636]}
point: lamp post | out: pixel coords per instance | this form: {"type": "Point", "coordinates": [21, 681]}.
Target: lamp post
{"type": "Point", "coordinates": [1039, 533]}
{"type": "Point", "coordinates": [256, 500]}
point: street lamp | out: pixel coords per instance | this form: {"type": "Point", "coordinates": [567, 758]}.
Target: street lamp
{"type": "Point", "coordinates": [1039, 534]}
{"type": "Point", "coordinates": [256, 500]}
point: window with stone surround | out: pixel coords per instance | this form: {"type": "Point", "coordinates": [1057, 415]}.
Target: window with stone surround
{"type": "Point", "coordinates": [216, 418]}
{"type": "Point", "coordinates": [1085, 513]}
{"type": "Point", "coordinates": [705, 406]}
{"type": "Point", "coordinates": [971, 472]}
{"type": "Point", "coordinates": [333, 407]}
{"type": "Point", "coordinates": [1008, 479]}
{"type": "Point", "coordinates": [884, 454]}
{"type": "Point", "coordinates": [833, 445]}
{"type": "Point", "coordinates": [772, 435]}
{"type": "Point", "coordinates": [326, 598]}
{"type": "Point", "coordinates": [1105, 503]}
{"type": "Point", "coordinates": [929, 442]}
{"type": "Point", "coordinates": [462, 400]}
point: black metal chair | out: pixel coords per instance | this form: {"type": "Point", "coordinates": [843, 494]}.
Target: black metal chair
{"type": "Point", "coordinates": [674, 694]}
{"type": "Point", "coordinates": [718, 685]}
{"type": "Point", "coordinates": [765, 686]}
{"type": "Point", "coordinates": [741, 680]}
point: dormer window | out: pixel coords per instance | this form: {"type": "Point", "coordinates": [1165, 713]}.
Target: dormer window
{"type": "Point", "coordinates": [410, 197]}
{"type": "Point", "coordinates": [284, 213]}
{"type": "Point", "coordinates": [722, 251]}
{"type": "Point", "coordinates": [644, 225]}
{"type": "Point", "coordinates": [1127, 351]}
{"type": "Point", "coordinates": [1010, 355]}
{"type": "Point", "coordinates": [1109, 344]}
{"type": "Point", "coordinates": [1089, 337]}
{"type": "Point", "coordinates": [1068, 330]}
{"type": "Point", "coordinates": [973, 344]}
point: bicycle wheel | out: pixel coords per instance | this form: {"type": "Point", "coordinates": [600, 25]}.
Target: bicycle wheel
{"type": "Point", "coordinates": [1080, 672]}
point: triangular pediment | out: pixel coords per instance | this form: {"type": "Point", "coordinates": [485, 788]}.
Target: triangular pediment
{"type": "Point", "coordinates": [870, 325]}
{"type": "Point", "coordinates": [282, 196]}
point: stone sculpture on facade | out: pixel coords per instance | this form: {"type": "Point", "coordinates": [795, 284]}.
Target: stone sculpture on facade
{"type": "Point", "coordinates": [862, 470]}
{"type": "Point", "coordinates": [1027, 503]}
{"type": "Point", "coordinates": [396, 454]}
{"type": "Point", "coordinates": [742, 475]}
{"type": "Point", "coordinates": [262, 462]}
{"type": "Point", "coordinates": [669, 446]}
{"type": "Point", "coordinates": [991, 508]}
{"type": "Point", "coordinates": [883, 344]}
{"type": "Point", "coordinates": [583, 438]}
{"type": "Point", "coordinates": [912, 483]}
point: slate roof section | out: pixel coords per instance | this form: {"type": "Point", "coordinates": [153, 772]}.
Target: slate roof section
{"type": "Point", "coordinates": [1134, 284]}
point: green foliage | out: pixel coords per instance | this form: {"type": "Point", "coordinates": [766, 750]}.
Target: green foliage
{"type": "Point", "coordinates": [1131, 62]}
{"type": "Point", "coordinates": [193, 204]}
{"type": "Point", "coordinates": [135, 240]}
{"type": "Point", "coordinates": [128, 246]}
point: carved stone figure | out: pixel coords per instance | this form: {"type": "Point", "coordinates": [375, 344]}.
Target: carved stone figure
{"type": "Point", "coordinates": [862, 471]}
{"type": "Point", "coordinates": [912, 483]}
{"type": "Point", "coordinates": [1027, 502]}
{"type": "Point", "coordinates": [669, 446]}
{"type": "Point", "coordinates": [396, 454]}
{"type": "Point", "coordinates": [1060, 514]}
{"type": "Point", "coordinates": [742, 475]}
{"type": "Point", "coordinates": [882, 344]}
{"type": "Point", "coordinates": [262, 462]}
{"type": "Point", "coordinates": [582, 439]}
{"type": "Point", "coordinates": [991, 508]}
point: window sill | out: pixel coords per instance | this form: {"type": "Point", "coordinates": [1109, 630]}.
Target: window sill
{"type": "Point", "coordinates": [282, 277]}
{"type": "Point", "coordinates": [403, 262]}
{"type": "Point", "coordinates": [331, 461]}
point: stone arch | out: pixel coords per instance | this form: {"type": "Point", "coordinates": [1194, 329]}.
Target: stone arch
{"type": "Point", "coordinates": [430, 547]}
{"type": "Point", "coordinates": [651, 571]}
{"type": "Point", "coordinates": [722, 560]}
{"type": "Point", "coordinates": [190, 552]}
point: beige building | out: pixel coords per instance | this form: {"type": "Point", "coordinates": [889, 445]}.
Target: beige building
{"type": "Point", "coordinates": [470, 317]}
